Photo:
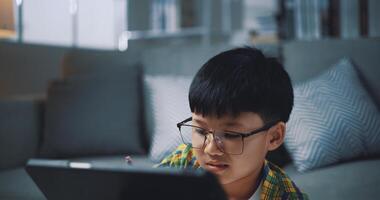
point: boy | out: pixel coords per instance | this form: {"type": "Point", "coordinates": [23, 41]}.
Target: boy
{"type": "Point", "coordinates": [240, 101]}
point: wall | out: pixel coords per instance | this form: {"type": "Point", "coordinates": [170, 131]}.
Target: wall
{"type": "Point", "coordinates": [97, 24]}
{"type": "Point", "coordinates": [6, 15]}
{"type": "Point", "coordinates": [47, 22]}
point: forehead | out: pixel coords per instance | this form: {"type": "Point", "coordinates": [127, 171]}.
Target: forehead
{"type": "Point", "coordinates": [244, 119]}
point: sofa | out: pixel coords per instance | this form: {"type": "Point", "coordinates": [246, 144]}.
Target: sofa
{"type": "Point", "coordinates": [103, 108]}
{"type": "Point", "coordinates": [353, 178]}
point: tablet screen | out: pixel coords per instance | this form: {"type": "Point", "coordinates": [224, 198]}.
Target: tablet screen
{"type": "Point", "coordinates": [62, 179]}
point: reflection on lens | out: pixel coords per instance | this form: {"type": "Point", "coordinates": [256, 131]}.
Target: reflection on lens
{"type": "Point", "coordinates": [229, 143]}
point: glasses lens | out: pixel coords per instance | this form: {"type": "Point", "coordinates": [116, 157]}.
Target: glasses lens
{"type": "Point", "coordinates": [193, 135]}
{"type": "Point", "coordinates": [229, 143]}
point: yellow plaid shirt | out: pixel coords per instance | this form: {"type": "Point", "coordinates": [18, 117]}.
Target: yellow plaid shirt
{"type": "Point", "coordinates": [275, 185]}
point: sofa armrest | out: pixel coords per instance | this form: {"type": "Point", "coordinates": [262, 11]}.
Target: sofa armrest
{"type": "Point", "coordinates": [20, 130]}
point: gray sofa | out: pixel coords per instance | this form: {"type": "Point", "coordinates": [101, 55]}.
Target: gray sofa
{"type": "Point", "coordinates": [91, 94]}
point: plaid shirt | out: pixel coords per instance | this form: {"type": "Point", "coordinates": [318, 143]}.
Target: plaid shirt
{"type": "Point", "coordinates": [275, 185]}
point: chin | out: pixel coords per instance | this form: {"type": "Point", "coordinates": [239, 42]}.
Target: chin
{"type": "Point", "coordinates": [223, 179]}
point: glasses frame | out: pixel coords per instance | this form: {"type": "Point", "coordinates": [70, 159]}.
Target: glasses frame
{"type": "Point", "coordinates": [242, 135]}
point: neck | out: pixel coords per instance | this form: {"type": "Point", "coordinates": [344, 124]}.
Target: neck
{"type": "Point", "coordinates": [243, 188]}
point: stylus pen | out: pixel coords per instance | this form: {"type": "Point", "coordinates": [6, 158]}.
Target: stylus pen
{"type": "Point", "coordinates": [128, 159]}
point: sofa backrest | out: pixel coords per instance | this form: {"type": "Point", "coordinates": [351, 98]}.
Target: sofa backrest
{"type": "Point", "coordinates": [186, 59]}
{"type": "Point", "coordinates": [20, 127]}
{"type": "Point", "coordinates": [305, 59]}
{"type": "Point", "coordinates": [25, 69]}
{"type": "Point", "coordinates": [87, 63]}
{"type": "Point", "coordinates": [179, 60]}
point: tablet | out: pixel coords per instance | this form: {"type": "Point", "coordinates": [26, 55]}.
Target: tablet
{"type": "Point", "coordinates": [62, 179]}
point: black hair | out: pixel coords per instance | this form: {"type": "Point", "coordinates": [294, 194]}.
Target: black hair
{"type": "Point", "coordinates": [242, 80]}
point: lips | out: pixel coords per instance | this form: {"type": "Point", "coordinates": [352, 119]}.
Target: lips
{"type": "Point", "coordinates": [216, 167]}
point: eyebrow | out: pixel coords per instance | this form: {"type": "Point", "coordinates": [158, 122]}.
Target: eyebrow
{"type": "Point", "coordinates": [233, 124]}
{"type": "Point", "coordinates": [198, 121]}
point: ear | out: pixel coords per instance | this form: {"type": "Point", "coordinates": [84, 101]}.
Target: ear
{"type": "Point", "coordinates": [276, 136]}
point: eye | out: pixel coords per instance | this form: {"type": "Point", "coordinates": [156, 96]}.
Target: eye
{"type": "Point", "coordinates": [200, 131]}
{"type": "Point", "coordinates": [231, 135]}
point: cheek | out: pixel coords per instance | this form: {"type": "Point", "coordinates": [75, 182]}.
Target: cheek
{"type": "Point", "coordinates": [257, 147]}
{"type": "Point", "coordinates": [199, 156]}
{"type": "Point", "coordinates": [253, 156]}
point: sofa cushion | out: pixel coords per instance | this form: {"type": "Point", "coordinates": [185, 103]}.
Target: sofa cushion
{"type": "Point", "coordinates": [92, 117]}
{"type": "Point", "coordinates": [333, 119]}
{"type": "Point", "coordinates": [167, 100]}
{"type": "Point", "coordinates": [353, 180]}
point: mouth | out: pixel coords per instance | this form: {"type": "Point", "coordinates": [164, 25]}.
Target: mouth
{"type": "Point", "coordinates": [216, 168]}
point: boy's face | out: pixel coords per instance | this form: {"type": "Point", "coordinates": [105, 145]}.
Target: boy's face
{"type": "Point", "coordinates": [231, 168]}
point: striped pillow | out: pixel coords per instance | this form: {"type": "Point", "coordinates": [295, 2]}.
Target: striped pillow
{"type": "Point", "coordinates": [333, 119]}
{"type": "Point", "coordinates": [167, 104]}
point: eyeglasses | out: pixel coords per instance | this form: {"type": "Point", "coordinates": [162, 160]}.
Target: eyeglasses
{"type": "Point", "coordinates": [228, 142]}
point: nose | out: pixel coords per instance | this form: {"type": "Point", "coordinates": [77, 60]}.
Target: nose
{"type": "Point", "coordinates": [211, 147]}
